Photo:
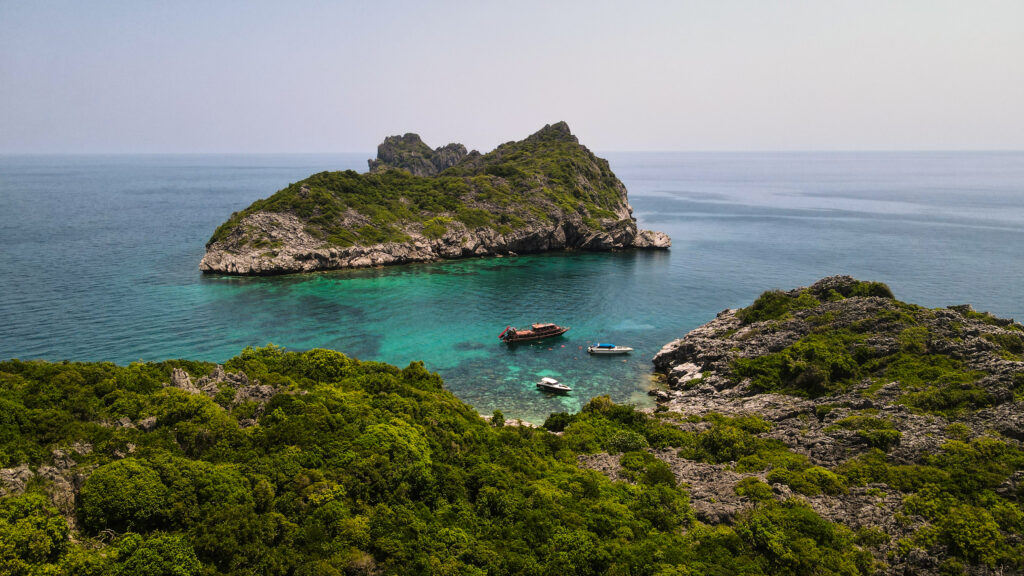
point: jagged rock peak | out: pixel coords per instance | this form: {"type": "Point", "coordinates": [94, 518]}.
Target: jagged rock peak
{"type": "Point", "coordinates": [556, 131]}
{"type": "Point", "coordinates": [410, 153]}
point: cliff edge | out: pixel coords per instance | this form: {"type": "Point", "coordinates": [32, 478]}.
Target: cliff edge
{"type": "Point", "coordinates": [417, 204]}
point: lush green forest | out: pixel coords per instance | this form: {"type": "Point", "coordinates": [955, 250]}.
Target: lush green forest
{"type": "Point", "coordinates": [348, 467]}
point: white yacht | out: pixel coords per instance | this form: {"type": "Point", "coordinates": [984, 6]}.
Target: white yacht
{"type": "Point", "coordinates": [552, 385]}
{"type": "Point", "coordinates": [600, 348]}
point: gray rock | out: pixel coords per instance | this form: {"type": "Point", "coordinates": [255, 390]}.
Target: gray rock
{"type": "Point", "coordinates": [13, 480]}
{"type": "Point", "coordinates": [409, 153]}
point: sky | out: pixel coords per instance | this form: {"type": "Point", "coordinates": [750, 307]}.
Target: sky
{"type": "Point", "coordinates": [306, 76]}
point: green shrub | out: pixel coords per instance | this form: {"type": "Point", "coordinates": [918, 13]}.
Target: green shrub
{"type": "Point", "coordinates": [32, 531]}
{"type": "Point", "coordinates": [1013, 344]}
{"type": "Point", "coordinates": [815, 365]}
{"type": "Point", "coordinates": [775, 305]}
{"type": "Point", "coordinates": [557, 421]}
{"type": "Point", "coordinates": [436, 227]}
{"type": "Point", "coordinates": [878, 433]}
{"type": "Point", "coordinates": [871, 536]}
{"type": "Point", "coordinates": [123, 495]}
{"type": "Point", "coordinates": [811, 480]}
{"type": "Point", "coordinates": [795, 540]}
{"type": "Point", "coordinates": [626, 441]}
{"type": "Point", "coordinates": [752, 488]}
{"type": "Point", "coordinates": [157, 556]}
{"type": "Point", "coordinates": [497, 419]}
{"type": "Point", "coordinates": [876, 289]}
{"type": "Point", "coordinates": [647, 468]}
{"type": "Point", "coordinates": [972, 534]}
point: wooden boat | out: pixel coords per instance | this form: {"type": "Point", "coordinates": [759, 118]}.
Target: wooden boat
{"type": "Point", "coordinates": [552, 385]}
{"type": "Point", "coordinates": [511, 335]}
{"type": "Point", "coordinates": [600, 348]}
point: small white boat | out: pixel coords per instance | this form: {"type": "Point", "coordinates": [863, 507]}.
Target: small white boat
{"type": "Point", "coordinates": [552, 385]}
{"type": "Point", "coordinates": [600, 348]}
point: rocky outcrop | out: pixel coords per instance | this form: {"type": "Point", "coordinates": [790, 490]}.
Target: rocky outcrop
{"type": "Point", "coordinates": [702, 379]}
{"type": "Point", "coordinates": [545, 193]}
{"type": "Point", "coordinates": [409, 153]}
{"type": "Point", "coordinates": [244, 391]}
{"type": "Point", "coordinates": [699, 372]}
{"type": "Point", "coordinates": [62, 478]}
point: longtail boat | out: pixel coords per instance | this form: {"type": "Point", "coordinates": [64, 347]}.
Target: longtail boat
{"type": "Point", "coordinates": [511, 335]}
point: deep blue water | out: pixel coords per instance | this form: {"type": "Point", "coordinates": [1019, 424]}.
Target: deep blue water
{"type": "Point", "coordinates": [99, 262]}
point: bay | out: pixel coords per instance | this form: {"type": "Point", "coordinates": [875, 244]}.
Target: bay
{"type": "Point", "coordinates": [99, 254]}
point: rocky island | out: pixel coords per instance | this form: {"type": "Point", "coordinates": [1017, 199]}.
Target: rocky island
{"type": "Point", "coordinates": [417, 204]}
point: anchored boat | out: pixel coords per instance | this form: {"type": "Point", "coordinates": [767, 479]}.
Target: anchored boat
{"type": "Point", "coordinates": [511, 335]}
{"type": "Point", "coordinates": [600, 348]}
{"type": "Point", "coordinates": [552, 385]}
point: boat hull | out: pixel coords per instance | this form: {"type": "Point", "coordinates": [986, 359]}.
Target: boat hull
{"type": "Point", "coordinates": [617, 350]}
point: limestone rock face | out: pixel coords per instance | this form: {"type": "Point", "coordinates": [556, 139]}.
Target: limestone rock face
{"type": "Point", "coordinates": [544, 193]}
{"type": "Point", "coordinates": [409, 153]}
{"type": "Point", "coordinates": [245, 390]}
{"type": "Point", "coordinates": [651, 239]}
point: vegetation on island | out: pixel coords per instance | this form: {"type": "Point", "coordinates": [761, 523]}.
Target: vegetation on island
{"type": "Point", "coordinates": [536, 180]}
{"type": "Point", "coordinates": [833, 359]}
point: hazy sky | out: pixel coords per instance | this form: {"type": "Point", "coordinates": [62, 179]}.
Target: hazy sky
{"type": "Point", "coordinates": [297, 76]}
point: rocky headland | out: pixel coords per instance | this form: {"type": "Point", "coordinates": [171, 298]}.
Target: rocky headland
{"type": "Point", "coordinates": [903, 423]}
{"type": "Point", "coordinates": [417, 204]}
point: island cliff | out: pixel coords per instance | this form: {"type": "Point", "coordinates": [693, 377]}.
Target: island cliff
{"type": "Point", "coordinates": [416, 204]}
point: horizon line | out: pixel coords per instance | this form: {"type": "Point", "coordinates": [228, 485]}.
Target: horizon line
{"type": "Point", "coordinates": [650, 151]}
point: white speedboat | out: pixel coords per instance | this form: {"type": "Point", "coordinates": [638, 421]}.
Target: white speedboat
{"type": "Point", "coordinates": [600, 348]}
{"type": "Point", "coordinates": [552, 385]}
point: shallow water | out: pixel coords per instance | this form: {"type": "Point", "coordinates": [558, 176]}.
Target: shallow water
{"type": "Point", "coordinates": [100, 254]}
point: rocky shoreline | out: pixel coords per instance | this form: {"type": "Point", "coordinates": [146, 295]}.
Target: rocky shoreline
{"type": "Point", "coordinates": [300, 252]}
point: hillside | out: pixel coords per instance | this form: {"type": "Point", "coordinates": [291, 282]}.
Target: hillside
{"type": "Point", "coordinates": [546, 192]}
{"type": "Point", "coordinates": [824, 430]}
{"type": "Point", "coordinates": [284, 463]}
{"type": "Point", "coordinates": [903, 423]}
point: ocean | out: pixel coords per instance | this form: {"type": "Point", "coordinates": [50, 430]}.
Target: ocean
{"type": "Point", "coordinates": [99, 255]}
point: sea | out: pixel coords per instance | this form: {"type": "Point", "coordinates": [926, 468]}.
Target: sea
{"type": "Point", "coordinates": [99, 261]}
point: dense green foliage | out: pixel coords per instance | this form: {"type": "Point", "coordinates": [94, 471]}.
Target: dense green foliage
{"type": "Point", "coordinates": [831, 359]}
{"type": "Point", "coordinates": [776, 304]}
{"type": "Point", "coordinates": [955, 490]}
{"type": "Point", "coordinates": [538, 179]}
{"type": "Point", "coordinates": [361, 467]}
{"type": "Point", "coordinates": [891, 365]}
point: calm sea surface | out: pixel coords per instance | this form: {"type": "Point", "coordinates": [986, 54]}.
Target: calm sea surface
{"type": "Point", "coordinates": [99, 255]}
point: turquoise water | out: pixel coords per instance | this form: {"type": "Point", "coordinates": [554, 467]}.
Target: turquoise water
{"type": "Point", "coordinates": [99, 257]}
